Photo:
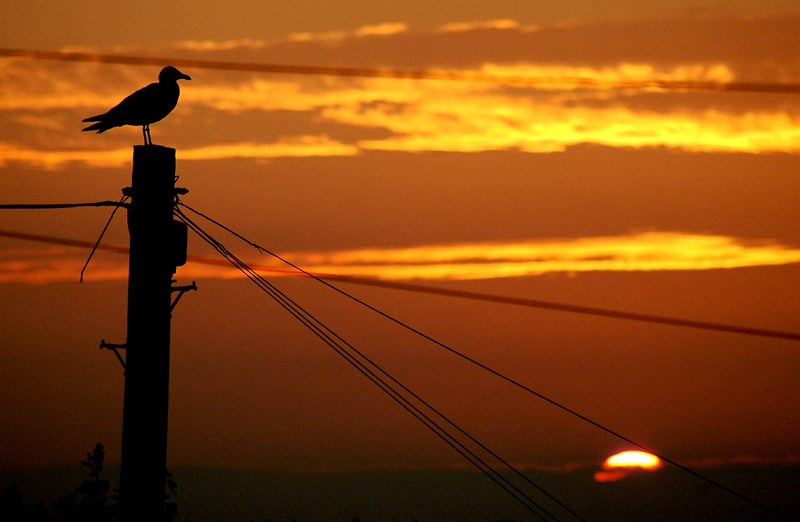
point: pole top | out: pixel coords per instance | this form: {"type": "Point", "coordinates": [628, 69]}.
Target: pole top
{"type": "Point", "coordinates": [151, 147]}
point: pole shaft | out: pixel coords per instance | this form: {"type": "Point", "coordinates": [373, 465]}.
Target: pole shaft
{"type": "Point", "coordinates": [145, 409]}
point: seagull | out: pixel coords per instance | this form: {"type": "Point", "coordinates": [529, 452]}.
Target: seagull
{"type": "Point", "coordinates": [147, 105]}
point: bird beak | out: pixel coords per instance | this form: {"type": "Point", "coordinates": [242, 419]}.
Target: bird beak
{"type": "Point", "coordinates": [185, 76]}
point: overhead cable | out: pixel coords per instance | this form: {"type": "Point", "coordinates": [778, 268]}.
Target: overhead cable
{"type": "Point", "coordinates": [523, 387]}
{"type": "Point", "coordinates": [42, 206]}
{"type": "Point", "coordinates": [347, 351]}
{"type": "Point", "coordinates": [105, 228]}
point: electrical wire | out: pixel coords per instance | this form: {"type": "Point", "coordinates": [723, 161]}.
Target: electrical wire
{"type": "Point", "coordinates": [320, 331]}
{"type": "Point", "coordinates": [341, 347]}
{"type": "Point", "coordinates": [505, 378]}
{"type": "Point", "coordinates": [39, 206]}
{"type": "Point", "coordinates": [97, 243]}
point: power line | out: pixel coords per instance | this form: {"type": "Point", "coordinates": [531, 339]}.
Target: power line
{"type": "Point", "coordinates": [344, 349]}
{"type": "Point", "coordinates": [62, 241]}
{"type": "Point", "coordinates": [401, 74]}
{"type": "Point", "coordinates": [41, 206]}
{"type": "Point", "coordinates": [447, 292]}
{"type": "Point", "coordinates": [105, 228]}
{"type": "Point", "coordinates": [512, 381]}
{"type": "Point", "coordinates": [562, 307]}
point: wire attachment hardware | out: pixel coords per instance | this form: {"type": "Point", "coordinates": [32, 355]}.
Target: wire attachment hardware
{"type": "Point", "coordinates": [114, 348]}
{"type": "Point", "coordinates": [181, 290]}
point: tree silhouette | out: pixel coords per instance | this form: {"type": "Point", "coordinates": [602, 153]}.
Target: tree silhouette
{"type": "Point", "coordinates": [89, 501]}
{"type": "Point", "coordinates": [12, 509]}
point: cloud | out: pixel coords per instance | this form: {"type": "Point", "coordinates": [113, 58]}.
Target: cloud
{"type": "Point", "coordinates": [741, 460]}
{"type": "Point", "coordinates": [638, 252]}
{"type": "Point", "coordinates": [53, 264]}
{"type": "Point", "coordinates": [475, 124]}
{"type": "Point", "coordinates": [225, 45]}
{"type": "Point", "coordinates": [295, 147]}
{"type": "Point", "coordinates": [612, 473]}
{"type": "Point", "coordinates": [456, 27]}
{"type": "Point", "coordinates": [571, 102]}
{"type": "Point", "coordinates": [385, 29]}
{"type": "Point", "coordinates": [421, 115]}
{"type": "Point", "coordinates": [54, 159]}
{"type": "Point", "coordinates": [381, 29]}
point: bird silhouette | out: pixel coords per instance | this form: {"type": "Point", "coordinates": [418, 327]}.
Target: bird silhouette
{"type": "Point", "coordinates": [145, 106]}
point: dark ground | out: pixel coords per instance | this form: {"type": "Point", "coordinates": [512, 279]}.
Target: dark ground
{"type": "Point", "coordinates": [217, 495]}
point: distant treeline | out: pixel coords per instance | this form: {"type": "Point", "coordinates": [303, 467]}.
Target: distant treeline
{"type": "Point", "coordinates": [91, 501]}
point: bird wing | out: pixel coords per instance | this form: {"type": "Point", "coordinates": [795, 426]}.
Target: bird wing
{"type": "Point", "coordinates": [134, 109]}
{"type": "Point", "coordinates": [145, 106]}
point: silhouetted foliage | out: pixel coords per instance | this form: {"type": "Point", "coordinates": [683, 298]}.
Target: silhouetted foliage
{"type": "Point", "coordinates": [13, 510]}
{"type": "Point", "coordinates": [170, 506]}
{"type": "Point", "coordinates": [89, 502]}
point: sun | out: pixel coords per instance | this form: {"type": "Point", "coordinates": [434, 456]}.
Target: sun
{"type": "Point", "coordinates": [632, 459]}
{"type": "Point", "coordinates": [622, 465]}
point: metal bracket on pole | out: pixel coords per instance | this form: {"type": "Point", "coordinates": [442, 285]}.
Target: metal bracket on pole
{"type": "Point", "coordinates": [182, 290]}
{"type": "Point", "coordinates": [114, 348]}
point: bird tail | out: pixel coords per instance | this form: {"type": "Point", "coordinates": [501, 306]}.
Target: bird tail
{"type": "Point", "coordinates": [100, 126]}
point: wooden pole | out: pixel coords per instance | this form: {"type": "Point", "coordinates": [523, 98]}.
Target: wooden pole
{"type": "Point", "coordinates": [145, 409]}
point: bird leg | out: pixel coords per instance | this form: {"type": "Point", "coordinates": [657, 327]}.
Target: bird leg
{"type": "Point", "coordinates": [146, 133]}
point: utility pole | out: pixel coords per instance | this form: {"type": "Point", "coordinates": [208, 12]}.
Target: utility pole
{"type": "Point", "coordinates": [152, 264]}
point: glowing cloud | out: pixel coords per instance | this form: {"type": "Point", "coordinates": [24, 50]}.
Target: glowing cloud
{"type": "Point", "coordinates": [381, 29]}
{"type": "Point", "coordinates": [302, 146]}
{"type": "Point", "coordinates": [226, 45]}
{"type": "Point", "coordinates": [367, 30]}
{"type": "Point", "coordinates": [457, 27]}
{"type": "Point", "coordinates": [472, 117]}
{"type": "Point", "coordinates": [640, 252]}
{"type": "Point", "coordinates": [297, 147]}
{"type": "Point", "coordinates": [554, 113]}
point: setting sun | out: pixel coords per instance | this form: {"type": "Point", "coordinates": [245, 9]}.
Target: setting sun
{"type": "Point", "coordinates": [621, 465]}
{"type": "Point", "coordinates": [632, 459]}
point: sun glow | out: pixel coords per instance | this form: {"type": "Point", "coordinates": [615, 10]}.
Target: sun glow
{"type": "Point", "coordinates": [622, 465]}
{"type": "Point", "coordinates": [633, 459]}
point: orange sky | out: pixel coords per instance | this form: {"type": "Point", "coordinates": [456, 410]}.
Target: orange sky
{"type": "Point", "coordinates": [675, 203]}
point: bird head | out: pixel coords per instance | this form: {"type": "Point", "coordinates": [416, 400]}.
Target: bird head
{"type": "Point", "coordinates": [171, 74]}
